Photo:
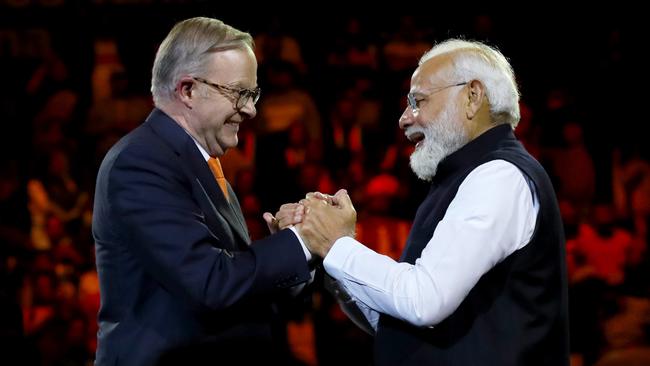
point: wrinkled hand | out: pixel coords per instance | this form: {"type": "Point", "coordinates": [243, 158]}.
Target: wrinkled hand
{"type": "Point", "coordinates": [289, 214]}
{"type": "Point", "coordinates": [326, 220]}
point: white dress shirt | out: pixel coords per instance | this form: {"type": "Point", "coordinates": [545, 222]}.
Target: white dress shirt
{"type": "Point", "coordinates": [492, 215]}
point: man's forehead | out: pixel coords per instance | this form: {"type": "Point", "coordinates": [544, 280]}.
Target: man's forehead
{"type": "Point", "coordinates": [429, 72]}
{"type": "Point", "coordinates": [422, 79]}
{"type": "Point", "coordinates": [235, 67]}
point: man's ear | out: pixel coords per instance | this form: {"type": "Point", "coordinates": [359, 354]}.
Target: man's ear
{"type": "Point", "coordinates": [186, 91]}
{"type": "Point", "coordinates": [475, 98]}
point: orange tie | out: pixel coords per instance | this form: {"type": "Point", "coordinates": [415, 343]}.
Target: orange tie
{"type": "Point", "coordinates": [215, 166]}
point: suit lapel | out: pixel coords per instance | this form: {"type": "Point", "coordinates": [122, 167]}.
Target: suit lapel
{"type": "Point", "coordinates": [185, 147]}
{"type": "Point", "coordinates": [200, 168]}
{"type": "Point", "coordinates": [236, 209]}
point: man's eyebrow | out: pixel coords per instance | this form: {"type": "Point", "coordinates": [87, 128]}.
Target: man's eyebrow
{"type": "Point", "coordinates": [239, 84]}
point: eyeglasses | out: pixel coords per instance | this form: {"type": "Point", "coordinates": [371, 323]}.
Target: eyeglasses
{"type": "Point", "coordinates": [242, 95]}
{"type": "Point", "coordinates": [413, 102]}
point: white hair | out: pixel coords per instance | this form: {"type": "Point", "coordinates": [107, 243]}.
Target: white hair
{"type": "Point", "coordinates": [186, 50]}
{"type": "Point", "coordinates": [473, 60]}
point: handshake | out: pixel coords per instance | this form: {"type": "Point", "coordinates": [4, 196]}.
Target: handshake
{"type": "Point", "coordinates": [319, 218]}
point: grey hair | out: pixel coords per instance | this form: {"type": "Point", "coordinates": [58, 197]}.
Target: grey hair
{"type": "Point", "coordinates": [185, 51]}
{"type": "Point", "coordinates": [473, 60]}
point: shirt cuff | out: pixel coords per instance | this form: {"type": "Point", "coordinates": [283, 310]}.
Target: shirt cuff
{"type": "Point", "coordinates": [302, 244]}
{"type": "Point", "coordinates": [335, 259]}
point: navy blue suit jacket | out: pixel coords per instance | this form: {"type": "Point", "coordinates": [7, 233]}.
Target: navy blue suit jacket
{"type": "Point", "coordinates": [175, 262]}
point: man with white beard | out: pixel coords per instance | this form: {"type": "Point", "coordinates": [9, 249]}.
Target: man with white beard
{"type": "Point", "coordinates": [482, 278]}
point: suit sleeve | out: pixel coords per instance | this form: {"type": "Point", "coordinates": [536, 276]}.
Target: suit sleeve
{"type": "Point", "coordinates": [360, 314]}
{"type": "Point", "coordinates": [164, 227]}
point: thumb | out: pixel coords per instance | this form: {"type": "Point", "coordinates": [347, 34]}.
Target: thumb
{"type": "Point", "coordinates": [342, 198]}
{"type": "Point", "coordinates": [270, 222]}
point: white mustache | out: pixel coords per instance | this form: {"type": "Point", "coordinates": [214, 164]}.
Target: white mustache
{"type": "Point", "coordinates": [413, 130]}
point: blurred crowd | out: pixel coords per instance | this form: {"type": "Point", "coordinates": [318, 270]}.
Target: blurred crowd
{"type": "Point", "coordinates": [327, 119]}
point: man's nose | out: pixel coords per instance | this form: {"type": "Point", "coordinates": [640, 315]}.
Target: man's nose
{"type": "Point", "coordinates": [406, 119]}
{"type": "Point", "coordinates": [248, 111]}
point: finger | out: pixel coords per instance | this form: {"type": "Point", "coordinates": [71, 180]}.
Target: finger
{"type": "Point", "coordinates": [330, 200]}
{"type": "Point", "coordinates": [299, 213]}
{"type": "Point", "coordinates": [311, 203]}
{"type": "Point", "coordinates": [288, 209]}
{"type": "Point", "coordinates": [300, 209]}
{"type": "Point", "coordinates": [326, 198]}
{"type": "Point", "coordinates": [318, 196]}
{"type": "Point", "coordinates": [289, 220]}
{"type": "Point", "coordinates": [289, 206]}
{"type": "Point", "coordinates": [286, 219]}
{"type": "Point", "coordinates": [285, 222]}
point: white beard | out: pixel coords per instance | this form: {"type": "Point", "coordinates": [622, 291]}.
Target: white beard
{"type": "Point", "coordinates": [443, 136]}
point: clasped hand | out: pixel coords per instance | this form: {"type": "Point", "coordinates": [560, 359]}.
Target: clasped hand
{"type": "Point", "coordinates": [319, 218]}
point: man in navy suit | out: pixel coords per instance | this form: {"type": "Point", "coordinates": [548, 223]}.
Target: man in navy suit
{"type": "Point", "coordinates": [178, 274]}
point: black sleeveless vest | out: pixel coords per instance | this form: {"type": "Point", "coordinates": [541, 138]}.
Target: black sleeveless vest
{"type": "Point", "coordinates": [517, 313]}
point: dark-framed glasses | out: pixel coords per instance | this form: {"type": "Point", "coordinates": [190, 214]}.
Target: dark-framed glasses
{"type": "Point", "coordinates": [241, 96]}
{"type": "Point", "coordinates": [414, 102]}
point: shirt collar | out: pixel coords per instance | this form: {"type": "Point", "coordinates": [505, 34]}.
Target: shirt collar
{"type": "Point", "coordinates": [205, 154]}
